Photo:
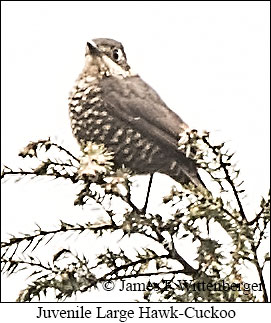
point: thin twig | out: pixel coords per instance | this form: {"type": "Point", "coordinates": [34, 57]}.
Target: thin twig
{"type": "Point", "coordinates": [228, 178]}
{"type": "Point", "coordinates": [144, 209]}
{"type": "Point", "coordinates": [257, 217]}
{"type": "Point", "coordinates": [260, 272]}
{"type": "Point", "coordinates": [66, 151]}
{"type": "Point", "coordinates": [63, 228]}
{"type": "Point", "coordinates": [174, 272]}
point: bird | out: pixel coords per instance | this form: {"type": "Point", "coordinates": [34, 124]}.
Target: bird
{"type": "Point", "coordinates": [110, 104]}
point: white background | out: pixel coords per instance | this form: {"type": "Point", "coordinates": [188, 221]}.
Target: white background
{"type": "Point", "coordinates": [209, 61]}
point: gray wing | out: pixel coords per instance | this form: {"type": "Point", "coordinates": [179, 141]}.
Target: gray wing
{"type": "Point", "coordinates": [137, 98]}
{"type": "Point", "coordinates": [136, 104]}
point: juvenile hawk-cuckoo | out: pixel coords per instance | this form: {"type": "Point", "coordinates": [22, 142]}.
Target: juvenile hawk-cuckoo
{"type": "Point", "coordinates": [112, 105]}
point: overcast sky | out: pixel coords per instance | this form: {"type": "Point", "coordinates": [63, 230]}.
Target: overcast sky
{"type": "Point", "coordinates": [208, 61]}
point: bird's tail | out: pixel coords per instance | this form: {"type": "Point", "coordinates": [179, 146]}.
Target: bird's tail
{"type": "Point", "coordinates": [187, 172]}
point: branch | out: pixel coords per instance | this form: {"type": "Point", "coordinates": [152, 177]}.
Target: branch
{"type": "Point", "coordinates": [13, 264]}
{"type": "Point", "coordinates": [23, 173]}
{"type": "Point", "coordinates": [174, 272]}
{"type": "Point", "coordinates": [66, 151]}
{"type": "Point", "coordinates": [64, 227]}
{"type": "Point", "coordinates": [175, 255]}
{"type": "Point", "coordinates": [172, 252]}
{"type": "Point", "coordinates": [228, 178]}
{"type": "Point", "coordinates": [260, 272]}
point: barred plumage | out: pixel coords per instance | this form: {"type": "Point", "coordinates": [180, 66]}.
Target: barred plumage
{"type": "Point", "coordinates": [111, 105]}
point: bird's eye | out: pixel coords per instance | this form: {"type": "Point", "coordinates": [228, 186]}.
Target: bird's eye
{"type": "Point", "coordinates": [117, 54]}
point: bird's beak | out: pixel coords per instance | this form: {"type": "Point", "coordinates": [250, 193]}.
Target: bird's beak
{"type": "Point", "coordinates": [92, 49]}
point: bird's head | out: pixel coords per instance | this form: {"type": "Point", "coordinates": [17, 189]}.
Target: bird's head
{"type": "Point", "coordinates": [107, 57]}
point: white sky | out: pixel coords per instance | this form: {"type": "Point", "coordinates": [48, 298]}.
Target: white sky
{"type": "Point", "coordinates": [208, 61]}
